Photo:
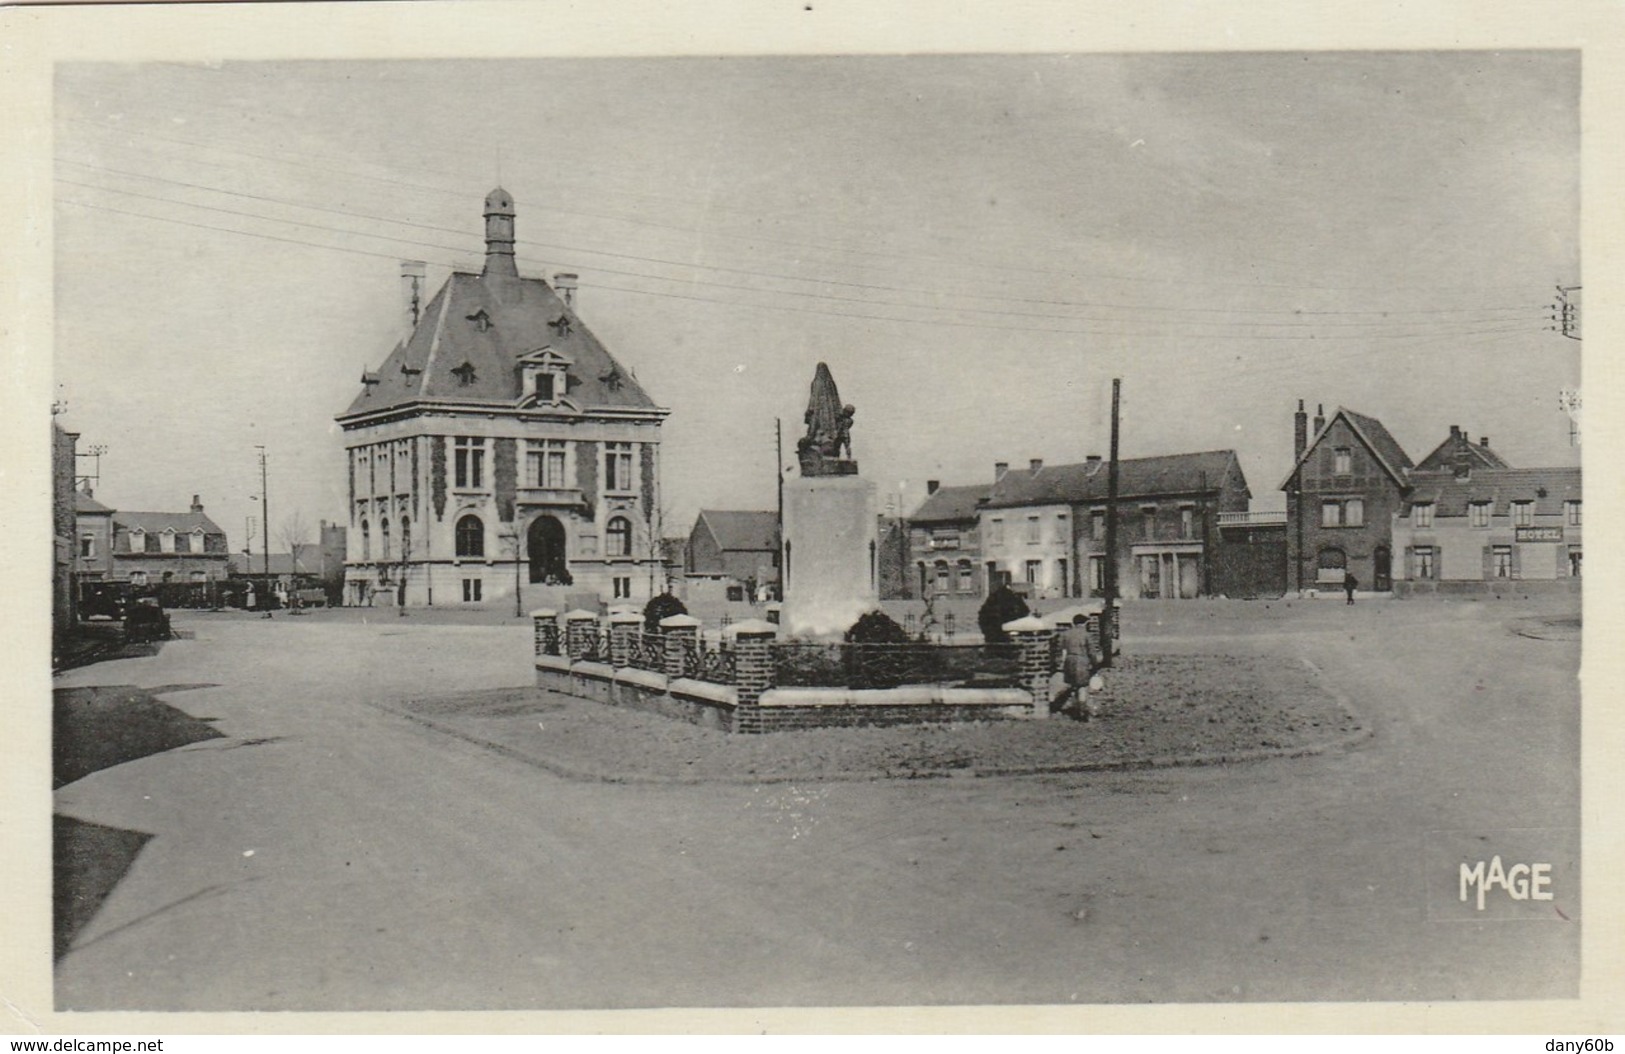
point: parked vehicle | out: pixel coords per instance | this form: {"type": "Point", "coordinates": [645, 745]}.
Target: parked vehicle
{"type": "Point", "coordinates": [146, 620]}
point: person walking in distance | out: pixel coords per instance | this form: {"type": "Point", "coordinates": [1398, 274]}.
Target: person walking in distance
{"type": "Point", "coordinates": [1350, 583]}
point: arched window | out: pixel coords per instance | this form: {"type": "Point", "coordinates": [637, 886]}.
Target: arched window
{"type": "Point", "coordinates": [618, 537]}
{"type": "Point", "coordinates": [406, 537]}
{"type": "Point", "coordinates": [366, 541]}
{"type": "Point", "coordinates": [966, 584]}
{"type": "Point", "coordinates": [383, 534]}
{"type": "Point", "coordinates": [942, 576]}
{"type": "Point", "coordinates": [470, 536]}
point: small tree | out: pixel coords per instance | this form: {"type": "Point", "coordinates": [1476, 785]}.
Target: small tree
{"type": "Point", "coordinates": [1001, 606]}
{"type": "Point", "coordinates": [663, 606]}
{"type": "Point", "coordinates": [876, 627]}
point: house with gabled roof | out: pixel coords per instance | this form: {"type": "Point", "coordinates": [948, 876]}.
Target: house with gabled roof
{"type": "Point", "coordinates": [501, 447]}
{"type": "Point", "coordinates": [1348, 479]}
{"type": "Point", "coordinates": [1043, 528]}
{"type": "Point", "coordinates": [152, 548]}
{"type": "Point", "coordinates": [740, 546]}
{"type": "Point", "coordinates": [1459, 451]}
{"type": "Point", "coordinates": [945, 541]}
{"type": "Point", "coordinates": [1489, 530]}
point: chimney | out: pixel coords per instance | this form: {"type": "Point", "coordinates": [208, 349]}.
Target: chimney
{"type": "Point", "coordinates": [1320, 417]}
{"type": "Point", "coordinates": [931, 486]}
{"type": "Point", "coordinates": [1484, 441]}
{"type": "Point", "coordinates": [412, 276]}
{"type": "Point", "coordinates": [1455, 431]}
{"type": "Point", "coordinates": [999, 469]}
{"type": "Point", "coordinates": [1035, 464]}
{"type": "Point", "coordinates": [565, 284]}
{"type": "Point", "coordinates": [197, 506]}
{"type": "Point", "coordinates": [499, 234]}
{"type": "Point", "coordinates": [1300, 432]}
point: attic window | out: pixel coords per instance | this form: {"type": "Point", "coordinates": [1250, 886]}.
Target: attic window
{"type": "Point", "coordinates": [369, 378]}
{"type": "Point", "coordinates": [464, 373]}
{"type": "Point", "coordinates": [411, 371]}
{"type": "Point", "coordinates": [481, 320]}
{"type": "Point", "coordinates": [612, 379]}
{"type": "Point", "coordinates": [561, 325]}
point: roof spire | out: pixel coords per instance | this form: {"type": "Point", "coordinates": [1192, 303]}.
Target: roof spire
{"type": "Point", "coordinates": [499, 234]}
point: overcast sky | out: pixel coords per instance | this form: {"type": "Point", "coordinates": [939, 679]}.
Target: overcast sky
{"type": "Point", "coordinates": [976, 246]}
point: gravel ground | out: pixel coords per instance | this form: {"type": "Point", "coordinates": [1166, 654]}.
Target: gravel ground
{"type": "Point", "coordinates": [1193, 709]}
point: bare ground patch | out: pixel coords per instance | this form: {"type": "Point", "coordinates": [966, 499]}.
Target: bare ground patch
{"type": "Point", "coordinates": [1169, 709]}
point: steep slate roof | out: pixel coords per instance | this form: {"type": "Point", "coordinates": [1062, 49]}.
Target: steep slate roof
{"type": "Point", "coordinates": [1377, 439]}
{"type": "Point", "coordinates": [1141, 477]}
{"type": "Point", "coordinates": [519, 315]}
{"type": "Point", "coordinates": [84, 503]}
{"type": "Point", "coordinates": [156, 522]}
{"type": "Point", "coordinates": [1443, 455]}
{"type": "Point", "coordinates": [1501, 487]}
{"type": "Point", "coordinates": [951, 504]}
{"type": "Point", "coordinates": [737, 531]}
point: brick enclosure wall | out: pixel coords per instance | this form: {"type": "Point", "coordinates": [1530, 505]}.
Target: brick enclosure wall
{"type": "Point", "coordinates": [750, 719]}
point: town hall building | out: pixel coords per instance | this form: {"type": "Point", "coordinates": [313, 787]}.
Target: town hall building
{"type": "Point", "coordinates": [501, 448]}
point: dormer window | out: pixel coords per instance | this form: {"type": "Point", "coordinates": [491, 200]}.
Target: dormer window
{"type": "Point", "coordinates": [561, 325]}
{"type": "Point", "coordinates": [543, 377]}
{"type": "Point", "coordinates": [481, 320]}
{"type": "Point", "coordinates": [410, 370]}
{"type": "Point", "coordinates": [138, 540]}
{"type": "Point", "coordinates": [369, 378]}
{"type": "Point", "coordinates": [464, 374]}
{"type": "Point", "coordinates": [611, 379]}
{"type": "Point", "coordinates": [166, 540]}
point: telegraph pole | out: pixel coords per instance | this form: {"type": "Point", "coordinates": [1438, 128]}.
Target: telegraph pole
{"type": "Point", "coordinates": [1108, 617]}
{"type": "Point", "coordinates": [778, 446]}
{"type": "Point", "coordinates": [265, 512]}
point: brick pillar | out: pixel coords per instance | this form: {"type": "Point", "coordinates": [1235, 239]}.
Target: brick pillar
{"type": "Point", "coordinates": [753, 659]}
{"type": "Point", "coordinates": [544, 624]}
{"type": "Point", "coordinates": [577, 626]}
{"type": "Point", "coordinates": [1034, 636]}
{"type": "Point", "coordinates": [678, 631]}
{"type": "Point", "coordinates": [621, 627]}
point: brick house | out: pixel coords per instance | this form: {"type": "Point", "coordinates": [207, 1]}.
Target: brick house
{"type": "Point", "coordinates": [501, 447]}
{"type": "Point", "coordinates": [945, 541]}
{"type": "Point", "coordinates": [1346, 485]}
{"type": "Point", "coordinates": [150, 548]}
{"type": "Point", "coordinates": [1044, 528]}
{"type": "Point", "coordinates": [93, 546]}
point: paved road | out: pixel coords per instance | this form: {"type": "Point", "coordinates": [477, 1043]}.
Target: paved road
{"type": "Point", "coordinates": [329, 854]}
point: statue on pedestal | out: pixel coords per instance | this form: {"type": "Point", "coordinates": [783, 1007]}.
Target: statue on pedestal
{"type": "Point", "coordinates": [826, 449]}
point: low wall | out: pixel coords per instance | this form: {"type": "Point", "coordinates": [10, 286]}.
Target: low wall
{"type": "Point", "coordinates": [779, 709]}
{"type": "Point", "coordinates": [754, 703]}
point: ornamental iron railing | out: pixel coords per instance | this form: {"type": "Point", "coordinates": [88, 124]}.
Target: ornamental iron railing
{"type": "Point", "coordinates": [704, 661]}
{"type": "Point", "coordinates": [596, 645]}
{"type": "Point", "coordinates": [646, 651]}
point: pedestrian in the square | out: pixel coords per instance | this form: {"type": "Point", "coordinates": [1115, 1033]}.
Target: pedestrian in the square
{"type": "Point", "coordinates": [1079, 660]}
{"type": "Point", "coordinates": [1350, 583]}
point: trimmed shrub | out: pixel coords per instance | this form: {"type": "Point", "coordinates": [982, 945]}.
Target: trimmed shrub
{"type": "Point", "coordinates": [876, 627]}
{"type": "Point", "coordinates": [1001, 606]}
{"type": "Point", "coordinates": [663, 606]}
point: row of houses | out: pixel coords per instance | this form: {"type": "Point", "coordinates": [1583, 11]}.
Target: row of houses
{"type": "Point", "coordinates": [1459, 519]}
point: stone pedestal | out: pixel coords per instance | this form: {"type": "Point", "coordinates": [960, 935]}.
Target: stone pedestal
{"type": "Point", "coordinates": [831, 569]}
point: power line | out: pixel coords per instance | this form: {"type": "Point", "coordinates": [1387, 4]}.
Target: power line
{"type": "Point", "coordinates": [1300, 324]}
{"type": "Point", "coordinates": [757, 237]}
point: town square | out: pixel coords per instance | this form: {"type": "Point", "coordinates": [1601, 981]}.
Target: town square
{"type": "Point", "coordinates": [832, 530]}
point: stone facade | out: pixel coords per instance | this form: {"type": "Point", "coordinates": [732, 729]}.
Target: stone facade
{"type": "Point", "coordinates": [501, 449]}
